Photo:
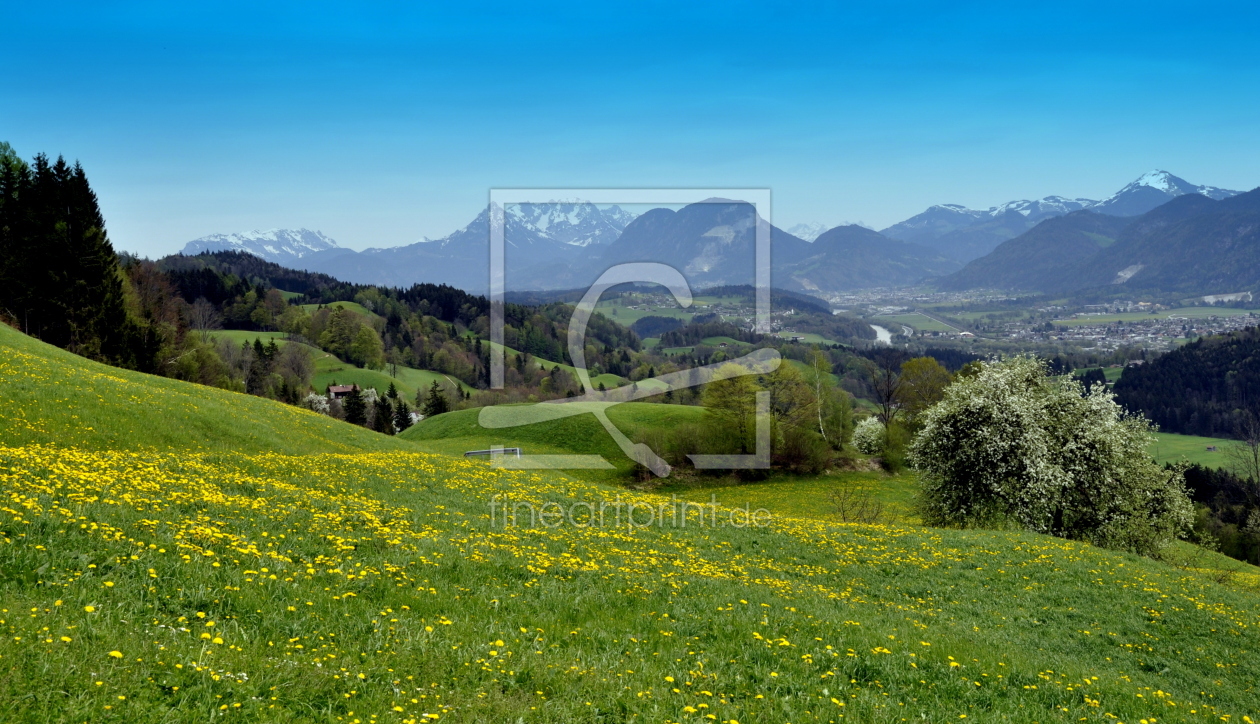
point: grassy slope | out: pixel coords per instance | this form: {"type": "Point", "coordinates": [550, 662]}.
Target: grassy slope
{"type": "Point", "coordinates": [52, 396]}
{"type": "Point", "coordinates": [373, 587]}
{"type": "Point", "coordinates": [244, 336]}
{"type": "Point", "coordinates": [330, 369]}
{"type": "Point", "coordinates": [1170, 447]}
{"type": "Point", "coordinates": [352, 306]}
{"type": "Point", "coordinates": [457, 432]}
{"type": "Point", "coordinates": [608, 379]}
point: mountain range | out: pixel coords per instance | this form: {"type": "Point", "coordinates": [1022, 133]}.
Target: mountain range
{"type": "Point", "coordinates": [965, 234]}
{"type": "Point", "coordinates": [1193, 244]}
{"type": "Point", "coordinates": [567, 244]}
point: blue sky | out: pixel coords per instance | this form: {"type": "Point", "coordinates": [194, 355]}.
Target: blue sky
{"type": "Point", "coordinates": [383, 123]}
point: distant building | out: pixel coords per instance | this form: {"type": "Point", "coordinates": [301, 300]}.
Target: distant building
{"type": "Point", "coordinates": [336, 392]}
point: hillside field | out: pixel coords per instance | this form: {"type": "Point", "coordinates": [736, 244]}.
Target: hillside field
{"type": "Point", "coordinates": [180, 553]}
{"type": "Point", "coordinates": [1170, 447]}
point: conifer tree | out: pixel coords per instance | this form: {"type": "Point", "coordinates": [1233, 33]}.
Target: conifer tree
{"type": "Point", "coordinates": [435, 403]}
{"type": "Point", "coordinates": [383, 419]}
{"type": "Point", "coordinates": [402, 416]}
{"type": "Point", "coordinates": [62, 282]}
{"type": "Point", "coordinates": [355, 407]}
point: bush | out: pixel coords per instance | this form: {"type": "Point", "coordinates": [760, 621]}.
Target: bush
{"type": "Point", "coordinates": [801, 450]}
{"type": "Point", "coordinates": [868, 436]}
{"type": "Point", "coordinates": [1011, 445]}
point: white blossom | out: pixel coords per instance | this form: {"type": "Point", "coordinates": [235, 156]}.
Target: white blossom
{"type": "Point", "coordinates": [868, 436]}
{"type": "Point", "coordinates": [1013, 446]}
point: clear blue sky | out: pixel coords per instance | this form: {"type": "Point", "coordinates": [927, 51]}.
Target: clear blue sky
{"type": "Point", "coordinates": [380, 124]}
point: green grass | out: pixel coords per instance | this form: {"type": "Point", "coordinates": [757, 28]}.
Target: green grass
{"type": "Point", "coordinates": [675, 350]}
{"type": "Point", "coordinates": [809, 496]}
{"type": "Point", "coordinates": [1169, 448]}
{"type": "Point", "coordinates": [352, 306]}
{"type": "Point", "coordinates": [721, 339]}
{"type": "Point", "coordinates": [242, 336]}
{"type": "Point", "coordinates": [374, 586]}
{"type": "Point", "coordinates": [805, 369]}
{"type": "Point", "coordinates": [626, 316]}
{"type": "Point", "coordinates": [330, 369]}
{"type": "Point", "coordinates": [457, 432]}
{"type": "Point", "coordinates": [290, 295]}
{"type": "Point", "coordinates": [610, 380]}
{"type": "Point", "coordinates": [808, 337]}
{"type": "Point", "coordinates": [54, 397]}
{"type": "Point", "coordinates": [651, 342]}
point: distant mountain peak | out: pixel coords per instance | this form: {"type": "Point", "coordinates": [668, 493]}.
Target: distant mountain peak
{"type": "Point", "coordinates": [277, 245]}
{"type": "Point", "coordinates": [1151, 189]}
{"type": "Point", "coordinates": [1161, 180]}
{"type": "Point", "coordinates": [808, 232]}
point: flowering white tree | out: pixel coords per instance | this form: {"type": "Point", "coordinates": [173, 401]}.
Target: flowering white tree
{"type": "Point", "coordinates": [868, 436]}
{"type": "Point", "coordinates": [315, 402]}
{"type": "Point", "coordinates": [1011, 445]}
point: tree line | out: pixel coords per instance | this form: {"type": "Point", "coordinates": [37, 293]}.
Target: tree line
{"type": "Point", "coordinates": [1209, 387]}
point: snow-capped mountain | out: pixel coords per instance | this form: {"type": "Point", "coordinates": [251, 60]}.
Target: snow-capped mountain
{"type": "Point", "coordinates": [544, 242]}
{"type": "Point", "coordinates": [282, 246]}
{"type": "Point", "coordinates": [967, 234]}
{"type": "Point", "coordinates": [1154, 189]}
{"type": "Point", "coordinates": [578, 223]}
{"type": "Point", "coordinates": [808, 232]}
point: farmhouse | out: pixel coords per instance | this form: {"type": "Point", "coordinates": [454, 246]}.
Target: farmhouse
{"type": "Point", "coordinates": [336, 392]}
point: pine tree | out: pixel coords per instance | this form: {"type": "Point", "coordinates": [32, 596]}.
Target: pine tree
{"type": "Point", "coordinates": [435, 403]}
{"type": "Point", "coordinates": [392, 392]}
{"type": "Point", "coordinates": [62, 281]}
{"type": "Point", "coordinates": [355, 407]}
{"type": "Point", "coordinates": [383, 420]}
{"type": "Point", "coordinates": [402, 416]}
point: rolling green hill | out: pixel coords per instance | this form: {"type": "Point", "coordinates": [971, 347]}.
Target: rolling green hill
{"type": "Point", "coordinates": [329, 369]}
{"type": "Point", "coordinates": [457, 432]}
{"type": "Point", "coordinates": [55, 397]}
{"type": "Point", "coordinates": [176, 553]}
{"type": "Point", "coordinates": [351, 306]}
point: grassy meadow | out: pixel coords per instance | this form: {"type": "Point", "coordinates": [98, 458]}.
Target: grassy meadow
{"type": "Point", "coordinates": [179, 553]}
{"type": "Point", "coordinates": [409, 381]}
{"type": "Point", "coordinates": [329, 369]}
{"type": "Point", "coordinates": [351, 306]}
{"type": "Point", "coordinates": [1171, 448]}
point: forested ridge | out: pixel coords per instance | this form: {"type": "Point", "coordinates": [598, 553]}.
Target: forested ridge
{"type": "Point", "coordinates": [1209, 387]}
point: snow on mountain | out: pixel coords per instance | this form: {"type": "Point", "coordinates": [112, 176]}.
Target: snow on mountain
{"type": "Point", "coordinates": [1049, 206]}
{"type": "Point", "coordinates": [808, 232]}
{"type": "Point", "coordinates": [1153, 189]}
{"type": "Point", "coordinates": [282, 246]}
{"type": "Point", "coordinates": [576, 222]}
{"type": "Point", "coordinates": [970, 233]}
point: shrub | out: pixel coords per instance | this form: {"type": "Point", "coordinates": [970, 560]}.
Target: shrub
{"type": "Point", "coordinates": [868, 436]}
{"type": "Point", "coordinates": [1011, 445]}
